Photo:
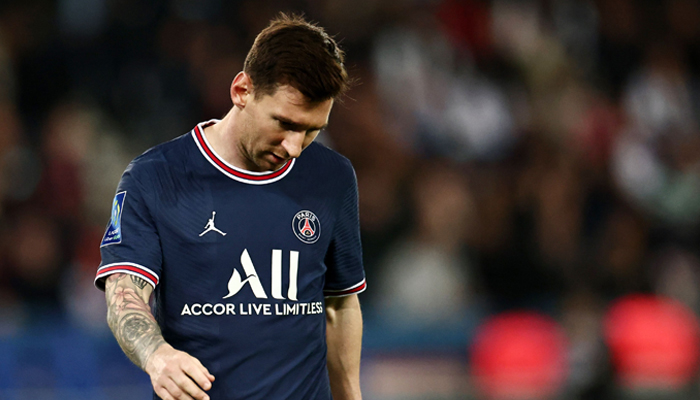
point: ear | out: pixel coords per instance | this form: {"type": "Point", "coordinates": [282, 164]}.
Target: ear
{"type": "Point", "coordinates": [241, 90]}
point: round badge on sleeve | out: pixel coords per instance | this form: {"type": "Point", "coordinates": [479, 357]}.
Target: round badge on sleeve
{"type": "Point", "coordinates": [306, 226]}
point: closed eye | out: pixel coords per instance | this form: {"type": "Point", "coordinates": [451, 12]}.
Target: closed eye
{"type": "Point", "coordinates": [291, 126]}
{"type": "Point", "coordinates": [288, 126]}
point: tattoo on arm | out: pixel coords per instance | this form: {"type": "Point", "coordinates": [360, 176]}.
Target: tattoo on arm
{"type": "Point", "coordinates": [138, 281]}
{"type": "Point", "coordinates": [130, 318]}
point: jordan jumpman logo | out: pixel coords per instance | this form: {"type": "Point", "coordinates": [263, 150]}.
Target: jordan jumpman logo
{"type": "Point", "coordinates": [210, 226]}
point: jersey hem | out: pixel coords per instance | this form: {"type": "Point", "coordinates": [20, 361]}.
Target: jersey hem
{"type": "Point", "coordinates": [125, 268]}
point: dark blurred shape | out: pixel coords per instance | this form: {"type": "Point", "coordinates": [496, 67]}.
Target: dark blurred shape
{"type": "Point", "coordinates": [427, 274]}
{"type": "Point", "coordinates": [19, 165]}
{"type": "Point", "coordinates": [582, 313]}
{"type": "Point", "coordinates": [79, 19]}
{"type": "Point", "coordinates": [676, 274]}
{"type": "Point", "coordinates": [620, 263]}
{"type": "Point", "coordinates": [619, 50]}
{"type": "Point", "coordinates": [654, 343]}
{"type": "Point", "coordinates": [468, 23]}
{"type": "Point", "coordinates": [36, 259]}
{"type": "Point", "coordinates": [519, 355]}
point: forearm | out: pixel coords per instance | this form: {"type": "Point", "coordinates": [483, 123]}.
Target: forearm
{"type": "Point", "coordinates": [344, 339]}
{"type": "Point", "coordinates": [130, 318]}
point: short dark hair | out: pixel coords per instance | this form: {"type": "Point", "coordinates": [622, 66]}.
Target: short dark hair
{"type": "Point", "coordinates": [292, 51]}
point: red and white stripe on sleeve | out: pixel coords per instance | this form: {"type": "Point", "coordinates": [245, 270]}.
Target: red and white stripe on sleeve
{"type": "Point", "coordinates": [358, 288]}
{"type": "Point", "coordinates": [125, 268]}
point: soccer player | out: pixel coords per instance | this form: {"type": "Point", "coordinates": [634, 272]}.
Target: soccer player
{"type": "Point", "coordinates": [251, 247]}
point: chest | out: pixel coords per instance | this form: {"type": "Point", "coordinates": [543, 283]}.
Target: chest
{"type": "Point", "coordinates": [217, 220]}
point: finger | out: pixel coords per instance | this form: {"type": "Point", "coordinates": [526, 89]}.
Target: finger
{"type": "Point", "coordinates": [162, 393]}
{"type": "Point", "coordinates": [206, 371]}
{"type": "Point", "coordinates": [189, 387]}
{"type": "Point", "coordinates": [176, 391]}
{"type": "Point", "coordinates": [199, 375]}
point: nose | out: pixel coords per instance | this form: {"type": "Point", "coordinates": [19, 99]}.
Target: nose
{"type": "Point", "coordinates": [293, 143]}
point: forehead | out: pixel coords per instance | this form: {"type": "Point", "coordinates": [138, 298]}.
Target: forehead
{"type": "Point", "coordinates": [289, 102]}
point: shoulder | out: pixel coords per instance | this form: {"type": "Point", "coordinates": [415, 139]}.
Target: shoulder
{"type": "Point", "coordinates": [155, 170]}
{"type": "Point", "coordinates": [159, 159]}
{"type": "Point", "coordinates": [327, 155]}
{"type": "Point", "coordinates": [327, 161]}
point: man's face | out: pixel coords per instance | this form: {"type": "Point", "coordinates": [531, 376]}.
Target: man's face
{"type": "Point", "coordinates": [278, 127]}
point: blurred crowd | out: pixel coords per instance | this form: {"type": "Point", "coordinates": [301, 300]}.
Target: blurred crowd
{"type": "Point", "coordinates": [528, 165]}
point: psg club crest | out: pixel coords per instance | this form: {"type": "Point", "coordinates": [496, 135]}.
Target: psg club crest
{"type": "Point", "coordinates": [306, 226]}
{"type": "Point", "coordinates": [113, 235]}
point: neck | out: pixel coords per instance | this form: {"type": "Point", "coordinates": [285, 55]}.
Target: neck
{"type": "Point", "coordinates": [222, 138]}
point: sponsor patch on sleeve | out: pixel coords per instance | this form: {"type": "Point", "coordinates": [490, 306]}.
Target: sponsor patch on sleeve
{"type": "Point", "coordinates": [113, 235]}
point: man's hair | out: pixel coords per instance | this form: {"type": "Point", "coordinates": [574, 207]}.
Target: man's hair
{"type": "Point", "coordinates": [292, 51]}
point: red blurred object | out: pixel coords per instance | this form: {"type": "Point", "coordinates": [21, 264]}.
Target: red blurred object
{"type": "Point", "coordinates": [519, 355]}
{"type": "Point", "coordinates": [468, 24]}
{"type": "Point", "coordinates": [653, 341]}
{"type": "Point", "coordinates": [87, 249]}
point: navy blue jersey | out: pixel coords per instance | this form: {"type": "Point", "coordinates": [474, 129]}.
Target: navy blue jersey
{"type": "Point", "coordinates": [240, 261]}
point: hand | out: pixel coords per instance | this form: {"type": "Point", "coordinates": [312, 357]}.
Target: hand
{"type": "Point", "coordinates": [176, 375]}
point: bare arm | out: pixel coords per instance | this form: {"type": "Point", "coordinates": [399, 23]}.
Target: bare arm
{"type": "Point", "coordinates": [173, 372]}
{"type": "Point", "coordinates": [130, 318]}
{"type": "Point", "coordinates": [344, 339]}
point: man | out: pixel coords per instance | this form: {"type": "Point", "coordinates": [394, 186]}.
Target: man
{"type": "Point", "coordinates": [251, 248]}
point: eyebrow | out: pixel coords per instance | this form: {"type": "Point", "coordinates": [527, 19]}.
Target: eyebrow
{"type": "Point", "coordinates": [297, 125]}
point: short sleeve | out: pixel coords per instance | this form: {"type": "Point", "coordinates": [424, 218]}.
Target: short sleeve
{"type": "Point", "coordinates": [345, 274]}
{"type": "Point", "coordinates": [131, 243]}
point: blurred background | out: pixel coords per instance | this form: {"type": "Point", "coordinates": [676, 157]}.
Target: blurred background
{"type": "Point", "coordinates": [529, 176]}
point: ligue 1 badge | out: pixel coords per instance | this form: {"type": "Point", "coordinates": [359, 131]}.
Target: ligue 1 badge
{"type": "Point", "coordinates": [113, 235]}
{"type": "Point", "coordinates": [306, 226]}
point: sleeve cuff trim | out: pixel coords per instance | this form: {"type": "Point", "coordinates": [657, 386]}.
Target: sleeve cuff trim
{"type": "Point", "coordinates": [126, 268]}
{"type": "Point", "coordinates": [358, 288]}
